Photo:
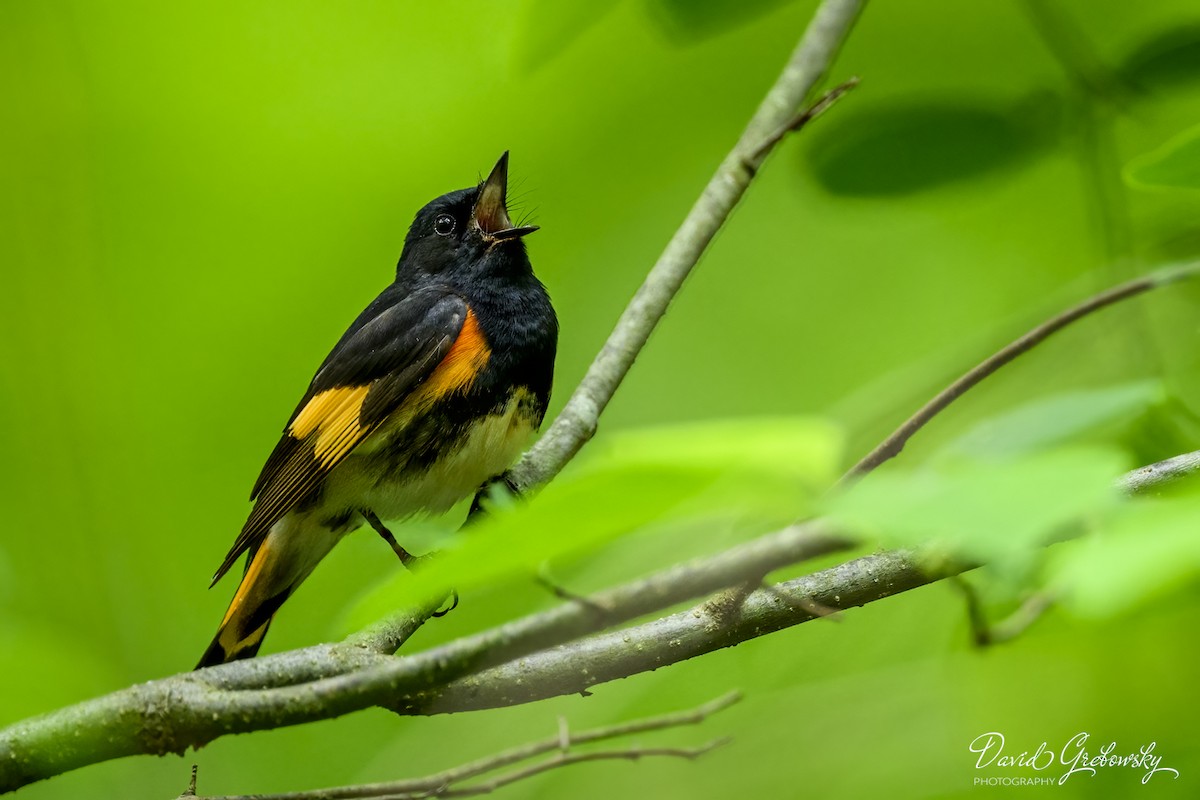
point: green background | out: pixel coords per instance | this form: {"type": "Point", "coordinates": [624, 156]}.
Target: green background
{"type": "Point", "coordinates": [197, 198]}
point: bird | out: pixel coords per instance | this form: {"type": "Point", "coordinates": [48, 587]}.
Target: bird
{"type": "Point", "coordinates": [429, 395]}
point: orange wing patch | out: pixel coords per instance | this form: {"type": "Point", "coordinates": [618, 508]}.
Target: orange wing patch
{"type": "Point", "coordinates": [334, 415]}
{"type": "Point", "coordinates": [467, 357]}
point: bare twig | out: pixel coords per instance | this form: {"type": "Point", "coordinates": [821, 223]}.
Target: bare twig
{"type": "Point", "coordinates": [576, 423]}
{"type": "Point", "coordinates": [985, 633]}
{"type": "Point", "coordinates": [440, 784]}
{"type": "Point", "coordinates": [891, 446]}
{"type": "Point", "coordinates": [823, 104]}
{"type": "Point", "coordinates": [1030, 611]}
{"type": "Point", "coordinates": [981, 634]}
{"type": "Point", "coordinates": [563, 760]}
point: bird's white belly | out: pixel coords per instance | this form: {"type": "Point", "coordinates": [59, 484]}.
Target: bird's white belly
{"type": "Point", "coordinates": [489, 447]}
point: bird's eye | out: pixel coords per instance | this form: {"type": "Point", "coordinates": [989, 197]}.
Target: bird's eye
{"type": "Point", "coordinates": [443, 225]}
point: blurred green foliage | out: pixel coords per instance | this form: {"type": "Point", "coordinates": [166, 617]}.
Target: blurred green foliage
{"type": "Point", "coordinates": [199, 197]}
{"type": "Point", "coordinates": [759, 473]}
{"type": "Point", "coordinates": [989, 511]}
{"type": "Point", "coordinates": [1175, 165]}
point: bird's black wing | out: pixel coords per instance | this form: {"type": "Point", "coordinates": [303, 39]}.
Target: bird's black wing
{"type": "Point", "coordinates": [374, 368]}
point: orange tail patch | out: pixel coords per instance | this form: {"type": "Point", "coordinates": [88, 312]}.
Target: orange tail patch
{"type": "Point", "coordinates": [249, 615]}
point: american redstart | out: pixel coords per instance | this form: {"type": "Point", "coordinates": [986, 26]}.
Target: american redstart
{"type": "Point", "coordinates": [431, 393]}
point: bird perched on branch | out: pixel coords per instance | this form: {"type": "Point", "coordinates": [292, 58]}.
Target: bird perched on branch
{"type": "Point", "coordinates": [431, 393]}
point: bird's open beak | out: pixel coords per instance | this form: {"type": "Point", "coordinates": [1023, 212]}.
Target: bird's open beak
{"type": "Point", "coordinates": [490, 214]}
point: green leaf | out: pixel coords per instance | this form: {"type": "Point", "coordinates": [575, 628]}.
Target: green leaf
{"type": "Point", "coordinates": [1174, 165]}
{"type": "Point", "coordinates": [1150, 548]}
{"type": "Point", "coordinates": [1170, 58]}
{"type": "Point", "coordinates": [766, 471]}
{"type": "Point", "coordinates": [916, 144]}
{"type": "Point", "coordinates": [1056, 419]}
{"type": "Point", "coordinates": [992, 510]}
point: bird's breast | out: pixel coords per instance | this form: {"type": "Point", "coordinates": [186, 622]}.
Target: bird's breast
{"type": "Point", "coordinates": [427, 460]}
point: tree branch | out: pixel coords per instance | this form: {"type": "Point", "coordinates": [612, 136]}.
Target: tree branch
{"type": "Point", "coordinates": [776, 115]}
{"type": "Point", "coordinates": [171, 714]}
{"type": "Point", "coordinates": [714, 625]}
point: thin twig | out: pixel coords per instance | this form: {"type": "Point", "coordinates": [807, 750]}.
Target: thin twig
{"type": "Point", "coordinates": [890, 447]}
{"type": "Point", "coordinates": [806, 116]}
{"type": "Point", "coordinates": [981, 632]}
{"type": "Point", "coordinates": [985, 633]}
{"type": "Point", "coordinates": [438, 783]}
{"type": "Point", "coordinates": [1030, 611]}
{"type": "Point", "coordinates": [576, 423]}
{"type": "Point", "coordinates": [630, 754]}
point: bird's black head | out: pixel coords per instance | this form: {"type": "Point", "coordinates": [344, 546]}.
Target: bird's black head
{"type": "Point", "coordinates": [467, 232]}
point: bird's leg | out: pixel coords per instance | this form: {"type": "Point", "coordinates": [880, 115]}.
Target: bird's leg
{"type": "Point", "coordinates": [406, 558]}
{"type": "Point", "coordinates": [477, 510]}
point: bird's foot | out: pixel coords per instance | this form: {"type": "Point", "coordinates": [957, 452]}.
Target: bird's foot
{"type": "Point", "coordinates": [441, 612]}
{"type": "Point", "coordinates": [485, 492]}
{"type": "Point", "coordinates": [410, 561]}
{"type": "Point", "coordinates": [406, 558]}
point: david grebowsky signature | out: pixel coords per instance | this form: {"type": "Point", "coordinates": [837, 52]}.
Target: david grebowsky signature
{"type": "Point", "coordinates": [1074, 755]}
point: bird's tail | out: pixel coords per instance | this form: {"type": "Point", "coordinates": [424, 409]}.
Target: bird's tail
{"type": "Point", "coordinates": [273, 571]}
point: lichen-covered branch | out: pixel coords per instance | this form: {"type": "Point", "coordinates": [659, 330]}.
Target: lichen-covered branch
{"type": "Point", "coordinates": [722, 621]}
{"type": "Point", "coordinates": [709, 626]}
{"type": "Point", "coordinates": [521, 661]}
